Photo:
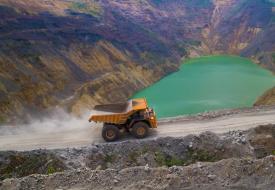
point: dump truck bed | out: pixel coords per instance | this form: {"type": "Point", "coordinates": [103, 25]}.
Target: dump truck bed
{"type": "Point", "coordinates": [114, 108]}
{"type": "Point", "coordinates": [118, 113]}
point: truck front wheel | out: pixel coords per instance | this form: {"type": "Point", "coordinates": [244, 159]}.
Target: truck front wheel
{"type": "Point", "coordinates": [110, 133]}
{"type": "Point", "coordinates": [140, 130]}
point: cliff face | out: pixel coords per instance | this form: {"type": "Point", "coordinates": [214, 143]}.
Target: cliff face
{"type": "Point", "coordinates": [79, 53]}
{"type": "Point", "coordinates": [243, 27]}
{"type": "Point", "coordinates": [74, 58]}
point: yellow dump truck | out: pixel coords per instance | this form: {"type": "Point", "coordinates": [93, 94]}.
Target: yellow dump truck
{"type": "Point", "coordinates": [133, 116]}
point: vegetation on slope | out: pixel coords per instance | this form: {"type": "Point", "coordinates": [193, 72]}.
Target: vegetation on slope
{"type": "Point", "coordinates": [273, 57]}
{"type": "Point", "coordinates": [21, 164]}
{"type": "Point", "coordinates": [52, 50]}
{"type": "Point", "coordinates": [189, 3]}
{"type": "Point", "coordinates": [91, 7]}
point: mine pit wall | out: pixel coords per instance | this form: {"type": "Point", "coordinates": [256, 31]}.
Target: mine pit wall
{"type": "Point", "coordinates": [75, 66]}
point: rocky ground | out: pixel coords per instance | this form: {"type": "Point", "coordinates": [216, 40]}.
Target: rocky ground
{"type": "Point", "coordinates": [234, 160]}
{"type": "Point", "coordinates": [226, 174]}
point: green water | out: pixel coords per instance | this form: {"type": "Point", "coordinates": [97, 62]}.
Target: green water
{"type": "Point", "coordinates": [208, 83]}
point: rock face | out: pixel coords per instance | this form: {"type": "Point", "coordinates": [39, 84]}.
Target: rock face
{"type": "Point", "coordinates": [79, 53]}
{"type": "Point", "coordinates": [224, 175]}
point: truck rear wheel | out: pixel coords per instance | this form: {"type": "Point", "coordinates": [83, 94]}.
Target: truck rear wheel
{"type": "Point", "coordinates": [140, 130]}
{"type": "Point", "coordinates": [110, 133]}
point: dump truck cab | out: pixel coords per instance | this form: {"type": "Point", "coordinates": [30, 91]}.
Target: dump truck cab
{"type": "Point", "coordinates": [133, 116]}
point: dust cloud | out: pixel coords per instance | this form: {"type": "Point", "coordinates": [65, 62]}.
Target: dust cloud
{"type": "Point", "coordinates": [58, 120]}
{"type": "Point", "coordinates": [59, 129]}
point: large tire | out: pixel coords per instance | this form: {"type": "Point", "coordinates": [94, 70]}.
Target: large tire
{"type": "Point", "coordinates": [140, 130]}
{"type": "Point", "coordinates": [110, 133]}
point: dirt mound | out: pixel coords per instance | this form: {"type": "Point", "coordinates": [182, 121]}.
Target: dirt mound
{"type": "Point", "coordinates": [225, 174]}
{"type": "Point", "coordinates": [24, 164]}
{"type": "Point", "coordinates": [262, 139]}
{"type": "Point", "coordinates": [225, 161]}
{"type": "Point", "coordinates": [207, 147]}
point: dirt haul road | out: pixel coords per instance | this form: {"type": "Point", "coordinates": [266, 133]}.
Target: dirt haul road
{"type": "Point", "coordinates": [71, 135]}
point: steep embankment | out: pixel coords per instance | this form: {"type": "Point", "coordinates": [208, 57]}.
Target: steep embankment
{"type": "Point", "coordinates": [73, 57]}
{"type": "Point", "coordinates": [229, 174]}
{"type": "Point", "coordinates": [237, 160]}
{"type": "Point", "coordinates": [77, 54]}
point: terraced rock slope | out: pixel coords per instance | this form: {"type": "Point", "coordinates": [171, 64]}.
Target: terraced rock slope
{"type": "Point", "coordinates": [75, 54]}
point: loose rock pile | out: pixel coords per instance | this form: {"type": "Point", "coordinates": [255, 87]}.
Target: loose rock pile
{"type": "Point", "coordinates": [225, 174]}
{"type": "Point", "coordinates": [210, 161]}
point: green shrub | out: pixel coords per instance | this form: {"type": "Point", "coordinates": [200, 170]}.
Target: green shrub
{"type": "Point", "coordinates": [92, 8]}
{"type": "Point", "coordinates": [201, 155]}
{"type": "Point", "coordinates": [2, 119]}
{"type": "Point", "coordinates": [51, 170]}
{"type": "Point", "coordinates": [273, 57]}
{"type": "Point", "coordinates": [145, 149]}
{"type": "Point", "coordinates": [133, 156]}
{"type": "Point", "coordinates": [174, 161]}
{"type": "Point", "coordinates": [2, 87]}
{"type": "Point", "coordinates": [110, 158]}
{"type": "Point", "coordinates": [191, 157]}
{"type": "Point", "coordinates": [20, 165]}
{"type": "Point", "coordinates": [160, 158]}
{"type": "Point", "coordinates": [167, 160]}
